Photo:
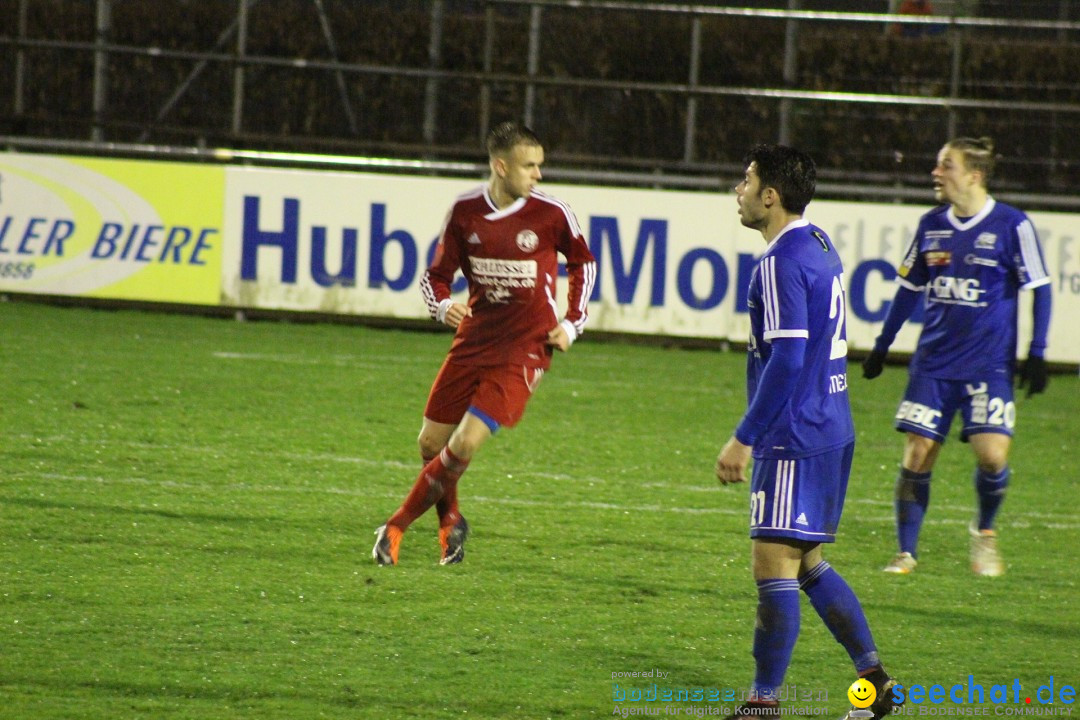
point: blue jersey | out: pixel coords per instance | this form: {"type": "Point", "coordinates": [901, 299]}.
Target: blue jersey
{"type": "Point", "coordinates": [797, 291]}
{"type": "Point", "coordinates": [970, 273]}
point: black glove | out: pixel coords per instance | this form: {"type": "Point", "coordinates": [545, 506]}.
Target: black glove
{"type": "Point", "coordinates": [874, 364]}
{"type": "Point", "coordinates": [1033, 375]}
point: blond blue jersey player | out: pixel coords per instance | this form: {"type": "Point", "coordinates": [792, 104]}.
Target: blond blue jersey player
{"type": "Point", "coordinates": [797, 428]}
{"type": "Point", "coordinates": [970, 258]}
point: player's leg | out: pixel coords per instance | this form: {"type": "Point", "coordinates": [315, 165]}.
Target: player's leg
{"type": "Point", "coordinates": [499, 400]}
{"type": "Point", "coordinates": [446, 405]}
{"type": "Point", "coordinates": [912, 497]}
{"type": "Point", "coordinates": [989, 416]}
{"type": "Point", "coordinates": [432, 439]}
{"type": "Point", "coordinates": [924, 416]}
{"type": "Point", "coordinates": [469, 436]}
{"type": "Point", "coordinates": [775, 563]}
{"type": "Point", "coordinates": [821, 487]}
{"type": "Point", "coordinates": [991, 474]}
{"type": "Point", "coordinates": [991, 479]}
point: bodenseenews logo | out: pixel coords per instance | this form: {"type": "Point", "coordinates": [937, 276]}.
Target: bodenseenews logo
{"type": "Point", "coordinates": [1003, 696]}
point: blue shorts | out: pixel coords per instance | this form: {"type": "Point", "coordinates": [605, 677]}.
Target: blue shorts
{"type": "Point", "coordinates": [800, 499]}
{"type": "Point", "coordinates": [929, 405]}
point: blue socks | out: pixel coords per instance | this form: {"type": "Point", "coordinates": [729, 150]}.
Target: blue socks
{"type": "Point", "coordinates": [775, 633]}
{"type": "Point", "coordinates": [777, 625]}
{"type": "Point", "coordinates": [912, 499]}
{"type": "Point", "coordinates": [991, 492]}
{"type": "Point", "coordinates": [843, 614]}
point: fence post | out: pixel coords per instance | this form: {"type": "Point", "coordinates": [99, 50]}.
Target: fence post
{"type": "Point", "coordinates": [956, 38]}
{"type": "Point", "coordinates": [791, 65]}
{"type": "Point", "coordinates": [103, 31]}
{"type": "Point", "coordinates": [689, 150]}
{"type": "Point", "coordinates": [431, 89]}
{"type": "Point", "coordinates": [534, 63]}
{"type": "Point", "coordinates": [238, 70]}
{"type": "Point", "coordinates": [489, 66]}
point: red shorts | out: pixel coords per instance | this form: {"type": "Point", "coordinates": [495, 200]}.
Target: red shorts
{"type": "Point", "coordinates": [496, 394]}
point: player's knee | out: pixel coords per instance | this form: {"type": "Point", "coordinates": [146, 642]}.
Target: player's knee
{"type": "Point", "coordinates": [464, 445]}
{"type": "Point", "coordinates": [920, 453]}
{"type": "Point", "coordinates": [429, 444]}
{"type": "Point", "coordinates": [992, 463]}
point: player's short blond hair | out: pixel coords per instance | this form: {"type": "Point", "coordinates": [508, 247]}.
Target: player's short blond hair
{"type": "Point", "coordinates": [506, 135]}
{"type": "Point", "coordinates": [978, 154]}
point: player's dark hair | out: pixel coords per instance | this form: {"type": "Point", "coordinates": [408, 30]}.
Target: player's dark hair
{"type": "Point", "coordinates": [504, 136]}
{"type": "Point", "coordinates": [978, 154]}
{"type": "Point", "coordinates": [792, 173]}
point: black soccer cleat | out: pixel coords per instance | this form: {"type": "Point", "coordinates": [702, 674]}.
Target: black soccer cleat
{"type": "Point", "coordinates": [453, 542]}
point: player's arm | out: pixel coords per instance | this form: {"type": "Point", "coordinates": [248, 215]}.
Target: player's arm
{"type": "Point", "coordinates": [438, 279]}
{"type": "Point", "coordinates": [581, 269]}
{"type": "Point", "coordinates": [899, 311]}
{"type": "Point", "coordinates": [1033, 373]}
{"type": "Point", "coordinates": [775, 387]}
{"type": "Point", "coordinates": [1033, 276]}
{"type": "Point", "coordinates": [911, 274]}
{"type": "Point", "coordinates": [784, 293]}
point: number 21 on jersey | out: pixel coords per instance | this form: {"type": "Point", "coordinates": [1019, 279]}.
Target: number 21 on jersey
{"type": "Point", "coordinates": [838, 312]}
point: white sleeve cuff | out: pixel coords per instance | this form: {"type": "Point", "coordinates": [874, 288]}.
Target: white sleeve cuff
{"type": "Point", "coordinates": [440, 314]}
{"type": "Point", "coordinates": [571, 331]}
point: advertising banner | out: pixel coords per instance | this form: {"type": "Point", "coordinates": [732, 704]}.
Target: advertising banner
{"type": "Point", "coordinates": [669, 262]}
{"type": "Point", "coordinates": [119, 229]}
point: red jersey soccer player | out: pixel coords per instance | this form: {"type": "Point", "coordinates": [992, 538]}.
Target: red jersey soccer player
{"type": "Point", "coordinates": [505, 237]}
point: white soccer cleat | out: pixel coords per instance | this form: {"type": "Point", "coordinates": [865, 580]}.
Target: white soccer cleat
{"type": "Point", "coordinates": [901, 564]}
{"type": "Point", "coordinates": [985, 558]}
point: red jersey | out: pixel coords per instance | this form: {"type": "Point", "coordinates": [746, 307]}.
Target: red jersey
{"type": "Point", "coordinates": [509, 257]}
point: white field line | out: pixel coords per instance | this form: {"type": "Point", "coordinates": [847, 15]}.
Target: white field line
{"type": "Point", "coordinates": [1053, 522]}
{"type": "Point", "coordinates": [377, 361]}
{"type": "Point", "coordinates": [412, 467]}
{"type": "Point", "coordinates": [358, 361]}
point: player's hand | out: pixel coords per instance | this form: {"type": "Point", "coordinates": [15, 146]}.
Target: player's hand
{"type": "Point", "coordinates": [873, 364]}
{"type": "Point", "coordinates": [1033, 375]}
{"type": "Point", "coordinates": [732, 461]}
{"type": "Point", "coordinates": [558, 339]}
{"type": "Point", "coordinates": [456, 313]}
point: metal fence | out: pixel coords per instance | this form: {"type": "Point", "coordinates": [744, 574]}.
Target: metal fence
{"type": "Point", "coordinates": [623, 92]}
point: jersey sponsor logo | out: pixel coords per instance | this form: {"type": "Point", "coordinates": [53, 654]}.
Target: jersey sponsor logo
{"type": "Point", "coordinates": [985, 241]}
{"type": "Point", "coordinates": [501, 278]}
{"type": "Point", "coordinates": [527, 241]}
{"type": "Point", "coordinates": [494, 267]}
{"type": "Point", "coordinates": [956, 291]}
{"type": "Point", "coordinates": [918, 414]}
{"type": "Point", "coordinates": [936, 258]}
{"type": "Point", "coordinates": [973, 259]}
{"type": "Point", "coordinates": [497, 295]}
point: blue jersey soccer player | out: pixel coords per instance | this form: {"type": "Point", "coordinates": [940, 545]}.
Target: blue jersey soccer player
{"type": "Point", "coordinates": [969, 258]}
{"type": "Point", "coordinates": [797, 427]}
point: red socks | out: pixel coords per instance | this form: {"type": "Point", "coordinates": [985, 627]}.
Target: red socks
{"type": "Point", "coordinates": [437, 483]}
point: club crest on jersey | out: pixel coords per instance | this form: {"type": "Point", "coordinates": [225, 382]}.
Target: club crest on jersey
{"type": "Point", "coordinates": [940, 257]}
{"type": "Point", "coordinates": [527, 241]}
{"type": "Point", "coordinates": [986, 241]}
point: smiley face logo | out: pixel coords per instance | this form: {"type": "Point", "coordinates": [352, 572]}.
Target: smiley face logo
{"type": "Point", "coordinates": [862, 693]}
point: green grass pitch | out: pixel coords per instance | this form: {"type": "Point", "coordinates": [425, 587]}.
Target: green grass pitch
{"type": "Point", "coordinates": [187, 507]}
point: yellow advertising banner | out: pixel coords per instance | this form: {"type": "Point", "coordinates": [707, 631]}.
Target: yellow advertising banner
{"type": "Point", "coordinates": [118, 229]}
